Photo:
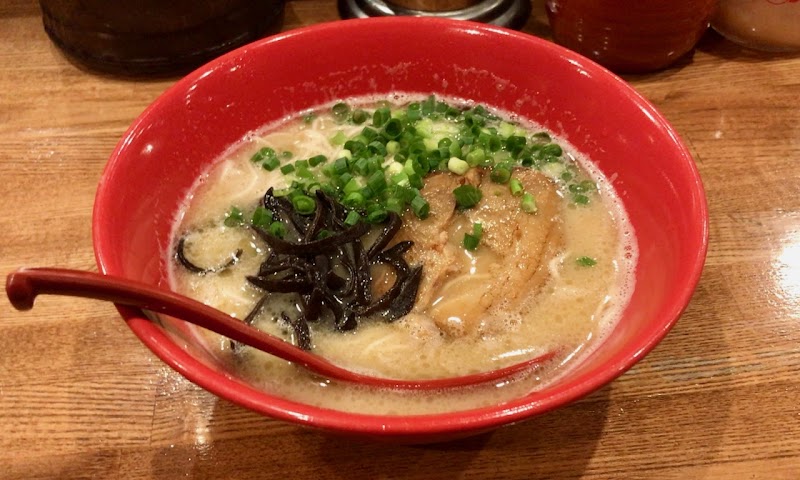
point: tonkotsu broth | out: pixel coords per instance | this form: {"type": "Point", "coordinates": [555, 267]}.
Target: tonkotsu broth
{"type": "Point", "coordinates": [575, 308]}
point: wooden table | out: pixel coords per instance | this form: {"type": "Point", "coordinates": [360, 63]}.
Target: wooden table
{"type": "Point", "coordinates": [80, 397]}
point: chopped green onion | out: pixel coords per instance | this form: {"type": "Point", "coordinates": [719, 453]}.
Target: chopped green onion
{"type": "Point", "coordinates": [394, 168]}
{"type": "Point", "coordinates": [377, 148]}
{"type": "Point", "coordinates": [340, 166]}
{"type": "Point", "coordinates": [467, 196]}
{"type": "Point", "coordinates": [304, 172]}
{"type": "Point", "coordinates": [282, 192]}
{"type": "Point", "coordinates": [472, 240]}
{"type": "Point", "coordinates": [368, 192]}
{"type": "Point", "coordinates": [352, 218]}
{"type": "Point", "coordinates": [507, 129]}
{"type": "Point", "coordinates": [495, 143]}
{"type": "Point", "coordinates": [401, 178]}
{"type": "Point", "coordinates": [262, 217]}
{"type": "Point", "coordinates": [528, 204]}
{"type": "Point", "coordinates": [473, 119]}
{"type": "Point", "coordinates": [339, 138]}
{"type": "Point", "coordinates": [415, 181]}
{"type": "Point", "coordinates": [303, 204]}
{"type": "Point", "coordinates": [352, 185]}
{"type": "Point", "coordinates": [377, 215]}
{"type": "Point", "coordinates": [361, 166]}
{"type": "Point", "coordinates": [381, 116]}
{"type": "Point", "coordinates": [377, 181]}
{"type": "Point", "coordinates": [457, 166]}
{"type": "Point", "coordinates": [277, 229]}
{"type": "Point", "coordinates": [515, 144]}
{"type": "Point", "coordinates": [475, 157]}
{"type": "Point", "coordinates": [355, 146]}
{"type": "Point", "coordinates": [500, 173]}
{"type": "Point", "coordinates": [420, 207]}
{"type": "Point", "coordinates": [267, 158]}
{"type": "Point", "coordinates": [359, 116]}
{"type": "Point", "coordinates": [353, 200]}
{"type": "Point", "coordinates": [516, 187]}
{"type": "Point", "coordinates": [428, 105]}
{"type": "Point", "coordinates": [329, 189]}
{"type": "Point", "coordinates": [581, 199]}
{"type": "Point", "coordinates": [552, 149]}
{"type": "Point", "coordinates": [287, 169]}
{"type": "Point", "coordinates": [369, 134]}
{"type": "Point", "coordinates": [542, 136]}
{"type": "Point", "coordinates": [344, 179]}
{"type": "Point", "coordinates": [455, 150]}
{"type": "Point", "coordinates": [586, 261]}
{"type": "Point", "coordinates": [526, 160]}
{"type": "Point", "coordinates": [413, 112]}
{"type": "Point", "coordinates": [317, 159]}
{"type": "Point", "coordinates": [588, 186]}
{"type": "Point", "coordinates": [341, 111]}
{"type": "Point", "coordinates": [394, 204]}
{"type": "Point", "coordinates": [393, 128]}
{"type": "Point", "coordinates": [404, 193]}
{"type": "Point", "coordinates": [424, 127]}
{"type": "Point", "coordinates": [234, 217]}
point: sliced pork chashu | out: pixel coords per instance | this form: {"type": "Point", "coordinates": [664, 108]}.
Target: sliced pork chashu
{"type": "Point", "coordinates": [468, 293]}
{"type": "Point", "coordinates": [431, 239]}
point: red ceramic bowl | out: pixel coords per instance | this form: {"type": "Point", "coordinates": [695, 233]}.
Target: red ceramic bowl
{"type": "Point", "coordinates": [178, 136]}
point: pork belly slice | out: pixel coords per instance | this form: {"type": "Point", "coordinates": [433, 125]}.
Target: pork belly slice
{"type": "Point", "coordinates": [432, 247]}
{"type": "Point", "coordinates": [472, 293]}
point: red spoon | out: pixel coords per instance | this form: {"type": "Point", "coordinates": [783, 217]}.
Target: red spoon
{"type": "Point", "coordinates": [25, 284]}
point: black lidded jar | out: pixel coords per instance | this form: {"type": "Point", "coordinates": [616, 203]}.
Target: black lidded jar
{"type": "Point", "coordinates": [156, 37]}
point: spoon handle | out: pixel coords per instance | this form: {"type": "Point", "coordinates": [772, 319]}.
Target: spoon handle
{"type": "Point", "coordinates": [25, 284]}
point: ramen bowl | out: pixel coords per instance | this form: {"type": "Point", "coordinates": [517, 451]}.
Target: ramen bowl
{"type": "Point", "coordinates": [187, 128]}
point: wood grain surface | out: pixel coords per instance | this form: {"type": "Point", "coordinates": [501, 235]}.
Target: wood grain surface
{"type": "Point", "coordinates": [81, 397]}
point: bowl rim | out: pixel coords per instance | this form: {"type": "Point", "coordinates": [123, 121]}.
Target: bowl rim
{"type": "Point", "coordinates": [412, 426]}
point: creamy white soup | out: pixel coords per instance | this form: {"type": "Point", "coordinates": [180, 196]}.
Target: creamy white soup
{"type": "Point", "coordinates": [524, 249]}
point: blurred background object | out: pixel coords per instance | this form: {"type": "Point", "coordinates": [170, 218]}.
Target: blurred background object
{"type": "Point", "coordinates": [140, 37]}
{"type": "Point", "coordinates": [630, 36]}
{"type": "Point", "coordinates": [772, 25]}
{"type": "Point", "coordinates": [506, 13]}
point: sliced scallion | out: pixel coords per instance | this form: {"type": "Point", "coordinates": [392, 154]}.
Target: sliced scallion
{"type": "Point", "coordinates": [501, 173]}
{"type": "Point", "coordinates": [528, 204]}
{"type": "Point", "coordinates": [234, 217]}
{"type": "Point", "coordinates": [303, 204]}
{"type": "Point", "coordinates": [472, 240]}
{"type": "Point", "coordinates": [261, 217]}
{"type": "Point", "coordinates": [277, 229]}
{"type": "Point", "coordinates": [420, 207]}
{"type": "Point", "coordinates": [457, 166]}
{"type": "Point", "coordinates": [467, 196]}
{"type": "Point", "coordinates": [352, 218]}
